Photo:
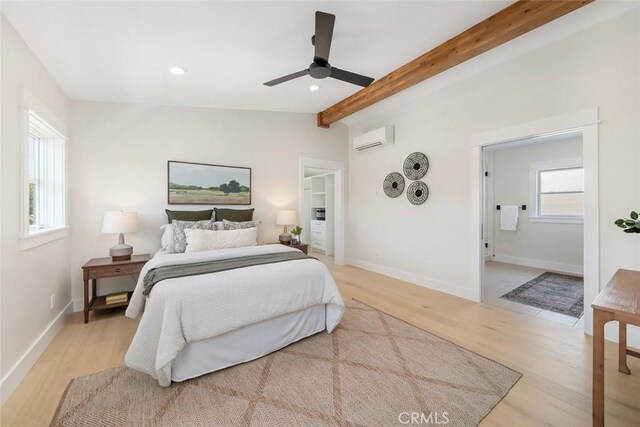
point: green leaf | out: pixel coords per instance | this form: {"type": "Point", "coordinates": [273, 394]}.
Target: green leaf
{"type": "Point", "coordinates": [630, 222]}
{"type": "Point", "coordinates": [634, 215]}
{"type": "Point", "coordinates": [619, 222]}
{"type": "Point", "coordinates": [630, 230]}
{"type": "Point", "coordinates": [637, 226]}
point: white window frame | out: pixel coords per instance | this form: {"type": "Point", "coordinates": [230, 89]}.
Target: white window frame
{"type": "Point", "coordinates": [37, 120]}
{"type": "Point", "coordinates": [534, 190]}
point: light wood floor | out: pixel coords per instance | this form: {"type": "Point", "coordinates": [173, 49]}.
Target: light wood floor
{"type": "Point", "coordinates": [556, 361]}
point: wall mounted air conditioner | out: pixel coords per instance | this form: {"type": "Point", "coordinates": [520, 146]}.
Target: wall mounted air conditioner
{"type": "Point", "coordinates": [374, 139]}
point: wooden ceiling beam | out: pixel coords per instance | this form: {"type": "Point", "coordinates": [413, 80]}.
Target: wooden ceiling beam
{"type": "Point", "coordinates": [508, 24]}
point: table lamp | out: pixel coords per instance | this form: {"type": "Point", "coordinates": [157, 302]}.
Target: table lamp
{"type": "Point", "coordinates": [285, 217]}
{"type": "Point", "coordinates": [120, 222]}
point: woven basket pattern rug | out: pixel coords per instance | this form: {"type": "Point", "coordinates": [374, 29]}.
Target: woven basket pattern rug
{"type": "Point", "coordinates": [374, 370]}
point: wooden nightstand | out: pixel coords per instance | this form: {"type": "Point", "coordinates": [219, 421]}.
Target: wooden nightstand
{"type": "Point", "coordinates": [302, 247]}
{"type": "Point", "coordinates": [99, 268]}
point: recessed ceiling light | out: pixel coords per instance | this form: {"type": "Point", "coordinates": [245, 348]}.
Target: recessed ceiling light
{"type": "Point", "coordinates": [177, 71]}
{"type": "Point", "coordinates": [314, 88]}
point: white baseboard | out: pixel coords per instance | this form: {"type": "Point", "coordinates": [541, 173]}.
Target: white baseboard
{"type": "Point", "coordinates": [427, 282]}
{"type": "Point", "coordinates": [537, 263]}
{"type": "Point", "coordinates": [78, 305]}
{"type": "Point", "coordinates": [19, 370]}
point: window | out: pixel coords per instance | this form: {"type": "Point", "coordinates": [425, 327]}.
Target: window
{"type": "Point", "coordinates": [44, 177]}
{"type": "Point", "coordinates": [560, 192]}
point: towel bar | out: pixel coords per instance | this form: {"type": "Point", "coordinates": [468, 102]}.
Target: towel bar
{"type": "Point", "coordinates": [523, 207]}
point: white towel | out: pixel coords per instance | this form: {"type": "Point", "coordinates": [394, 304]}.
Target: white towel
{"type": "Point", "coordinates": [508, 217]}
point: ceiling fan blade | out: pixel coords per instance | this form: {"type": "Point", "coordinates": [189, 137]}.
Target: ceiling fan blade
{"type": "Point", "coordinates": [324, 34]}
{"type": "Point", "coordinates": [349, 77]}
{"type": "Point", "coordinates": [287, 78]}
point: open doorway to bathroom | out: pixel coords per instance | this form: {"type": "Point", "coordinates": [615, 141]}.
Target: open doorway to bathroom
{"type": "Point", "coordinates": [533, 234]}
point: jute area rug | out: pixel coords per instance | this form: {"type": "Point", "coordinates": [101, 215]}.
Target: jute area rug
{"type": "Point", "coordinates": [374, 370]}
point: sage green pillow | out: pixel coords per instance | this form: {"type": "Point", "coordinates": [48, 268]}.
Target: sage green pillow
{"type": "Point", "coordinates": [189, 215]}
{"type": "Point", "coordinates": [235, 215]}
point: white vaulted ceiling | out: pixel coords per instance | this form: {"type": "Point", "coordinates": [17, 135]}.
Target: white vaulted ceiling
{"type": "Point", "coordinates": [122, 51]}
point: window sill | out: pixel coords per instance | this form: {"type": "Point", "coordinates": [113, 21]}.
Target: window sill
{"type": "Point", "coordinates": [42, 237]}
{"type": "Point", "coordinates": [556, 220]}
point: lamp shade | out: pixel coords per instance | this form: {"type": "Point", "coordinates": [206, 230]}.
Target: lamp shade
{"type": "Point", "coordinates": [286, 217]}
{"type": "Point", "coordinates": [120, 222]}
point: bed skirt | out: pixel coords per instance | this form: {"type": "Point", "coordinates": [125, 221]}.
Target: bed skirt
{"type": "Point", "coordinates": [247, 343]}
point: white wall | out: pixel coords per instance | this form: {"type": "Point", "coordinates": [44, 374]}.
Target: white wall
{"type": "Point", "coordinates": [120, 155]}
{"type": "Point", "coordinates": [28, 277]}
{"type": "Point", "coordinates": [519, 82]}
{"type": "Point", "coordinates": [555, 246]}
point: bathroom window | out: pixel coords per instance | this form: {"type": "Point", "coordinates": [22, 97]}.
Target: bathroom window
{"type": "Point", "coordinates": [560, 193]}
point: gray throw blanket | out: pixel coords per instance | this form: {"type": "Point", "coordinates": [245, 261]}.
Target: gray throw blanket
{"type": "Point", "coordinates": [156, 275]}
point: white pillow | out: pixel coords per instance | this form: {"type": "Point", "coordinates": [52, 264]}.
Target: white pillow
{"type": "Point", "coordinates": [206, 240]}
{"type": "Point", "coordinates": [167, 238]}
{"type": "Point", "coordinates": [180, 239]}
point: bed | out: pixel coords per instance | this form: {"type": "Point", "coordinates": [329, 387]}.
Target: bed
{"type": "Point", "coordinates": [198, 324]}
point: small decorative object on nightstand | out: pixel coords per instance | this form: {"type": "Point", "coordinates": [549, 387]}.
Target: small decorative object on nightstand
{"type": "Point", "coordinates": [285, 217]}
{"type": "Point", "coordinates": [296, 232]}
{"type": "Point", "coordinates": [120, 222]}
{"type": "Point", "coordinates": [98, 268]}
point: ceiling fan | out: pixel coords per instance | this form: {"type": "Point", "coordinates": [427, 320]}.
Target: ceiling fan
{"type": "Point", "coordinates": [320, 67]}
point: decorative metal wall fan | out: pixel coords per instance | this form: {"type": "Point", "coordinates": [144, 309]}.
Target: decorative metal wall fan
{"type": "Point", "coordinates": [418, 192]}
{"type": "Point", "coordinates": [416, 166]}
{"type": "Point", "coordinates": [393, 184]}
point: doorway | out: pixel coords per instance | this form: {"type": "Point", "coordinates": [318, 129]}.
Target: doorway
{"type": "Point", "coordinates": [533, 214]}
{"type": "Point", "coordinates": [318, 212]}
{"type": "Point", "coordinates": [321, 208]}
{"type": "Point", "coordinates": [586, 121]}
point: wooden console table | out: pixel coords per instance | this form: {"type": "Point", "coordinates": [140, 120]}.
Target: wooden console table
{"type": "Point", "coordinates": [619, 300]}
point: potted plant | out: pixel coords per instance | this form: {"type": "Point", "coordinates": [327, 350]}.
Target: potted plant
{"type": "Point", "coordinates": [296, 232]}
{"type": "Point", "coordinates": [631, 224]}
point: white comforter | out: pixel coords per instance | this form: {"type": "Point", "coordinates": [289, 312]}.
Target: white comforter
{"type": "Point", "coordinates": [187, 309]}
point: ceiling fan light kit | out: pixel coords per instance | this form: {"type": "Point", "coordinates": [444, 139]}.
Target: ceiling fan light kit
{"type": "Point", "coordinates": [320, 67]}
{"type": "Point", "coordinates": [177, 71]}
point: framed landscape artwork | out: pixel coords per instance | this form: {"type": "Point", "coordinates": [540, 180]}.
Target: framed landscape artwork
{"type": "Point", "coordinates": [203, 184]}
